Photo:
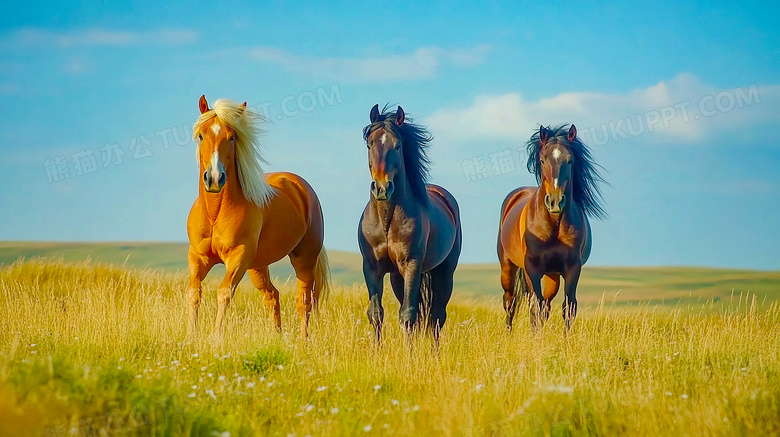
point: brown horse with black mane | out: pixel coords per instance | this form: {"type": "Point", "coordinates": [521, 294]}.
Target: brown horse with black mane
{"type": "Point", "coordinates": [409, 229]}
{"type": "Point", "coordinates": [544, 231]}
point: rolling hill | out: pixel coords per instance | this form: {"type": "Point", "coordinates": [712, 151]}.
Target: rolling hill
{"type": "Point", "coordinates": [623, 285]}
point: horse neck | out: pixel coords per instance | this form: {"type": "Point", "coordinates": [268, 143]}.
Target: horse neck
{"type": "Point", "coordinates": [542, 215]}
{"type": "Point", "coordinates": [402, 199]}
{"type": "Point", "coordinates": [231, 195]}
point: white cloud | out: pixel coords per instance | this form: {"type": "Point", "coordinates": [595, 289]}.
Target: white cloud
{"type": "Point", "coordinates": [683, 109]}
{"type": "Point", "coordinates": [421, 64]}
{"type": "Point", "coordinates": [76, 66]}
{"type": "Point", "coordinates": [37, 37]}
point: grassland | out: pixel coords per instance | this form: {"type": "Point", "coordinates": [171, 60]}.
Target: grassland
{"type": "Point", "coordinates": [95, 349]}
{"type": "Point", "coordinates": [625, 286]}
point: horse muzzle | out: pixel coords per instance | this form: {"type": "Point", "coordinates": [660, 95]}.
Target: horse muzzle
{"type": "Point", "coordinates": [214, 180]}
{"type": "Point", "coordinates": [382, 190]}
{"type": "Point", "coordinates": [555, 202]}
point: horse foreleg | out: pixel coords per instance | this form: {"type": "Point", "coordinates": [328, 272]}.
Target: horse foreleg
{"type": "Point", "coordinates": [236, 264]}
{"type": "Point", "coordinates": [375, 285]}
{"type": "Point", "coordinates": [410, 308]}
{"type": "Point", "coordinates": [509, 281]}
{"type": "Point", "coordinates": [198, 268]}
{"type": "Point", "coordinates": [535, 298]}
{"type": "Point", "coordinates": [261, 279]}
{"type": "Point", "coordinates": [571, 277]}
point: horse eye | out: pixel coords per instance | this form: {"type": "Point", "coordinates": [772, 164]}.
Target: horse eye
{"type": "Point", "coordinates": [200, 137]}
{"type": "Point", "coordinates": [368, 145]}
{"type": "Point", "coordinates": [232, 139]}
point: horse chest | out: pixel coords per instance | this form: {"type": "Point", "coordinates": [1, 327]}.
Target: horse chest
{"type": "Point", "coordinates": [390, 249]}
{"type": "Point", "coordinates": [223, 239]}
{"type": "Point", "coordinates": [552, 251]}
{"type": "Point", "coordinates": [391, 237]}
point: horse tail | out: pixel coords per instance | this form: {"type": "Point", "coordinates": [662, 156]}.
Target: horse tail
{"type": "Point", "coordinates": [322, 277]}
{"type": "Point", "coordinates": [426, 296]}
{"type": "Point", "coordinates": [521, 288]}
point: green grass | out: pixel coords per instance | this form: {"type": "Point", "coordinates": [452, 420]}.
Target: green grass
{"type": "Point", "coordinates": [94, 349]}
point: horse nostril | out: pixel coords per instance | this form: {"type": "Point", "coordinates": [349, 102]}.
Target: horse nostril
{"type": "Point", "coordinates": [206, 178]}
{"type": "Point", "coordinates": [389, 187]}
{"type": "Point", "coordinates": [373, 186]}
{"type": "Point", "coordinates": [547, 200]}
{"type": "Point", "coordinates": [222, 178]}
{"type": "Point", "coordinates": [562, 201]}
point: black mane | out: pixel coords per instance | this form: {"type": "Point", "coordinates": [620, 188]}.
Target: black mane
{"type": "Point", "coordinates": [585, 174]}
{"type": "Point", "coordinates": [415, 141]}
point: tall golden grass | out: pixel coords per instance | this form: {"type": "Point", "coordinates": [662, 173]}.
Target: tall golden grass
{"type": "Point", "coordinates": [91, 349]}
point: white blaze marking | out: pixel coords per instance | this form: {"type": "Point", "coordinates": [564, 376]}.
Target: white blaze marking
{"type": "Point", "coordinates": [555, 182]}
{"type": "Point", "coordinates": [215, 128]}
{"type": "Point", "coordinates": [556, 154]}
{"type": "Point", "coordinates": [384, 138]}
{"type": "Point", "coordinates": [215, 163]}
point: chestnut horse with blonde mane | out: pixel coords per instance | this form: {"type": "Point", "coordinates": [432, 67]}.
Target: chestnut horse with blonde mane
{"type": "Point", "coordinates": [247, 219]}
{"type": "Point", "coordinates": [544, 231]}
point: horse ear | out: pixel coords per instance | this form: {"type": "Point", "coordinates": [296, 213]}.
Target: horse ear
{"type": "Point", "coordinates": [400, 116]}
{"type": "Point", "coordinates": [241, 109]}
{"type": "Point", "coordinates": [374, 116]}
{"type": "Point", "coordinates": [204, 105]}
{"type": "Point", "coordinates": [572, 132]}
{"type": "Point", "coordinates": [543, 135]}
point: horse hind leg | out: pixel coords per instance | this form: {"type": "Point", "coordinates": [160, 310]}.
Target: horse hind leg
{"type": "Point", "coordinates": [261, 279]}
{"type": "Point", "coordinates": [397, 284]}
{"type": "Point", "coordinates": [540, 305]}
{"type": "Point", "coordinates": [442, 282]}
{"type": "Point", "coordinates": [304, 266]}
{"type": "Point", "coordinates": [510, 280]}
{"type": "Point", "coordinates": [441, 292]}
{"type": "Point", "coordinates": [570, 303]}
{"type": "Point", "coordinates": [551, 284]}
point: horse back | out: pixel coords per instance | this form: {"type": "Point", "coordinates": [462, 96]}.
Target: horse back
{"type": "Point", "coordinates": [511, 227]}
{"type": "Point", "coordinates": [299, 192]}
{"type": "Point", "coordinates": [292, 216]}
{"type": "Point", "coordinates": [442, 198]}
{"type": "Point", "coordinates": [517, 196]}
{"type": "Point", "coordinates": [445, 231]}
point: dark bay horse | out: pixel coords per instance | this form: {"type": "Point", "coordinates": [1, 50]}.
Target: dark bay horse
{"type": "Point", "coordinates": [409, 228]}
{"type": "Point", "coordinates": [544, 231]}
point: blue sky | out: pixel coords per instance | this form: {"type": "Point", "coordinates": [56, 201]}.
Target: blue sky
{"type": "Point", "coordinates": [680, 102]}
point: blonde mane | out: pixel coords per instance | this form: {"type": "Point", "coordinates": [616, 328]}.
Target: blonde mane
{"type": "Point", "coordinates": [251, 176]}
